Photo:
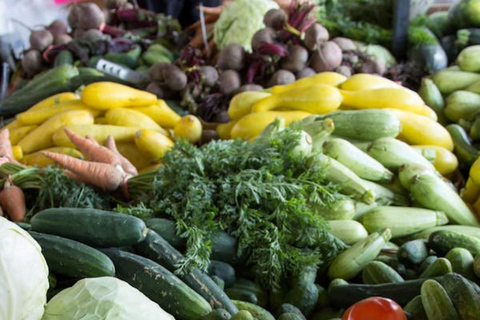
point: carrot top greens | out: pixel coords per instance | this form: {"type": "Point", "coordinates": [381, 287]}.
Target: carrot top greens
{"type": "Point", "coordinates": [258, 192]}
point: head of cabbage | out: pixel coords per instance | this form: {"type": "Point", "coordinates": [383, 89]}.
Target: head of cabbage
{"type": "Point", "coordinates": [104, 298]}
{"type": "Point", "coordinates": [239, 22]}
{"type": "Point", "coordinates": [23, 274]}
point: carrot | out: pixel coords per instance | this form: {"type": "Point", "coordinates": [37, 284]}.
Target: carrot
{"type": "Point", "coordinates": [125, 163]}
{"type": "Point", "coordinates": [12, 199]}
{"type": "Point", "coordinates": [105, 176]}
{"type": "Point", "coordinates": [92, 150]}
{"type": "Point", "coordinates": [74, 176]}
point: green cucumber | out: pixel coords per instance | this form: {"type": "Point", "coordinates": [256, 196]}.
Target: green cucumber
{"type": "Point", "coordinates": [402, 221]}
{"type": "Point", "coordinates": [159, 285]}
{"type": "Point", "coordinates": [304, 296]}
{"type": "Point", "coordinates": [73, 259]}
{"type": "Point", "coordinates": [443, 241]}
{"type": "Point", "coordinates": [466, 230]}
{"type": "Point", "coordinates": [463, 148]}
{"type": "Point", "coordinates": [222, 270]}
{"type": "Point", "coordinates": [289, 308]}
{"type": "Point", "coordinates": [242, 294]}
{"type": "Point", "coordinates": [439, 267]}
{"type": "Point", "coordinates": [156, 248]}
{"type": "Point", "coordinates": [436, 301]}
{"type": "Point", "coordinates": [218, 314]}
{"type": "Point", "coordinates": [64, 57]}
{"type": "Point", "coordinates": [433, 98]}
{"type": "Point", "coordinates": [476, 266]}
{"type": "Point", "coordinates": [248, 285]}
{"type": "Point", "coordinates": [377, 272]}
{"type": "Point", "coordinates": [97, 228]}
{"type": "Point", "coordinates": [413, 252]}
{"type": "Point", "coordinates": [426, 263]}
{"type": "Point", "coordinates": [323, 298]}
{"type": "Point", "coordinates": [463, 295]}
{"type": "Point", "coordinates": [462, 262]}
{"type": "Point", "coordinates": [365, 125]}
{"type": "Point", "coordinates": [242, 315]}
{"type": "Point", "coordinates": [351, 262]}
{"type": "Point", "coordinates": [290, 316]}
{"type": "Point", "coordinates": [219, 282]}
{"type": "Point", "coordinates": [257, 312]}
{"type": "Point", "coordinates": [167, 229]}
{"type": "Point", "coordinates": [128, 59]}
{"type": "Point", "coordinates": [415, 309]}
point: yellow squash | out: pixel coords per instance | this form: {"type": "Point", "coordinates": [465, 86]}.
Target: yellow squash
{"type": "Point", "coordinates": [381, 98]}
{"type": "Point", "coordinates": [130, 151]}
{"type": "Point", "coordinates": [132, 118]}
{"type": "Point", "coordinates": [327, 78]}
{"type": "Point", "coordinates": [38, 159]}
{"type": "Point", "coordinates": [445, 161]}
{"type": "Point", "coordinates": [152, 144]}
{"type": "Point", "coordinates": [189, 128]}
{"type": "Point", "coordinates": [471, 191]}
{"type": "Point", "coordinates": [111, 95]}
{"type": "Point", "coordinates": [475, 171]}
{"type": "Point", "coordinates": [224, 129]}
{"type": "Point", "coordinates": [41, 137]}
{"type": "Point", "coordinates": [101, 120]}
{"type": "Point", "coordinates": [99, 132]}
{"type": "Point", "coordinates": [150, 168]}
{"type": "Point", "coordinates": [39, 116]}
{"type": "Point", "coordinates": [17, 134]}
{"type": "Point", "coordinates": [253, 124]}
{"type": "Point", "coordinates": [317, 99]}
{"type": "Point", "coordinates": [420, 130]}
{"type": "Point", "coordinates": [364, 81]}
{"type": "Point", "coordinates": [241, 104]}
{"type": "Point", "coordinates": [13, 125]}
{"type": "Point", "coordinates": [17, 152]}
{"type": "Point", "coordinates": [161, 113]}
{"type": "Point", "coordinates": [54, 100]}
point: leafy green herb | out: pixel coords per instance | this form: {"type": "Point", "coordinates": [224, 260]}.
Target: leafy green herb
{"type": "Point", "coordinates": [139, 211]}
{"type": "Point", "coordinates": [258, 192]}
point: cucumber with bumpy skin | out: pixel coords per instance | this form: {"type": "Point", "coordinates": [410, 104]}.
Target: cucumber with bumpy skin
{"type": "Point", "coordinates": [439, 267]}
{"type": "Point", "coordinates": [413, 252]}
{"type": "Point", "coordinates": [443, 241]}
{"type": "Point", "coordinates": [257, 312]}
{"type": "Point", "coordinates": [463, 295]}
{"type": "Point", "coordinates": [377, 272]}
{"type": "Point", "coordinates": [415, 309]}
{"type": "Point", "coordinates": [462, 262]}
{"type": "Point", "coordinates": [436, 302]}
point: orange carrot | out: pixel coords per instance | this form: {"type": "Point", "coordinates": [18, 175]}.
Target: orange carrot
{"type": "Point", "coordinates": [74, 176]}
{"type": "Point", "coordinates": [92, 139]}
{"type": "Point", "coordinates": [12, 199]}
{"type": "Point", "coordinates": [107, 177]}
{"type": "Point", "coordinates": [125, 163]}
{"type": "Point", "coordinates": [92, 150]}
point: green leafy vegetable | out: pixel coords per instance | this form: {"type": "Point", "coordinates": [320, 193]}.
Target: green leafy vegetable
{"type": "Point", "coordinates": [258, 192]}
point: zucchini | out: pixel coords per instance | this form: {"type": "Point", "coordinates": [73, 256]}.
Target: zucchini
{"type": "Point", "coordinates": [289, 308]}
{"type": "Point", "coordinates": [439, 267]}
{"type": "Point", "coordinates": [462, 262]}
{"type": "Point", "coordinates": [356, 160]}
{"type": "Point", "coordinates": [257, 312]}
{"type": "Point", "coordinates": [362, 208]}
{"type": "Point", "coordinates": [402, 221]}
{"type": "Point", "coordinates": [91, 226]}
{"type": "Point", "coordinates": [350, 262]}
{"type": "Point", "coordinates": [463, 295]}
{"type": "Point", "coordinates": [304, 296]}
{"type": "Point", "coordinates": [443, 241]}
{"type": "Point", "coordinates": [413, 252]}
{"type": "Point", "coordinates": [219, 282]}
{"type": "Point", "coordinates": [63, 57]}
{"type": "Point", "coordinates": [73, 259]}
{"type": "Point", "coordinates": [156, 248]}
{"type": "Point", "coordinates": [342, 209]}
{"type": "Point", "coordinates": [430, 58]}
{"type": "Point", "coordinates": [367, 125]}
{"type": "Point", "coordinates": [415, 309]}
{"type": "Point", "coordinates": [385, 197]}
{"type": "Point", "coordinates": [436, 301]}
{"type": "Point", "coordinates": [349, 231]}
{"type": "Point", "coordinates": [159, 285]}
{"type": "Point", "coordinates": [346, 295]}
{"type": "Point", "coordinates": [377, 272]}
{"type": "Point", "coordinates": [44, 85]}
{"type": "Point", "coordinates": [218, 314]}
{"type": "Point", "coordinates": [222, 270]}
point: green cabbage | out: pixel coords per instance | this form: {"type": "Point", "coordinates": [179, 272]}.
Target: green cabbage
{"type": "Point", "coordinates": [103, 298]}
{"type": "Point", "coordinates": [239, 22]}
{"type": "Point", "coordinates": [23, 274]}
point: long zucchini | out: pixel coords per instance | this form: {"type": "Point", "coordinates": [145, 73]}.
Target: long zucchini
{"type": "Point", "coordinates": [159, 250]}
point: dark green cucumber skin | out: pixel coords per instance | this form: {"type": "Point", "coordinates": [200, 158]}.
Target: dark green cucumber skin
{"type": "Point", "coordinates": [290, 316]}
{"type": "Point", "coordinates": [290, 308]}
{"type": "Point", "coordinates": [261, 295]}
{"type": "Point", "coordinates": [439, 267]}
{"type": "Point", "coordinates": [224, 247]}
{"type": "Point", "coordinates": [97, 228]}
{"type": "Point", "coordinates": [304, 296]}
{"type": "Point", "coordinates": [412, 252]}
{"type": "Point", "coordinates": [415, 309]}
{"type": "Point", "coordinates": [257, 312]}
{"type": "Point", "coordinates": [464, 296]}
{"type": "Point", "coordinates": [72, 258]}
{"type": "Point", "coordinates": [159, 250]}
{"type": "Point", "coordinates": [222, 270]}
{"type": "Point", "coordinates": [64, 57]}
{"type": "Point", "coordinates": [159, 284]}
{"type": "Point", "coordinates": [218, 314]}
{"type": "Point", "coordinates": [426, 263]}
{"type": "Point", "coordinates": [377, 272]}
{"type": "Point", "coordinates": [462, 262]}
{"type": "Point", "coordinates": [242, 294]}
{"type": "Point", "coordinates": [442, 241]}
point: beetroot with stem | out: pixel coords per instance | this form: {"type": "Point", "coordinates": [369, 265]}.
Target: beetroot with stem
{"type": "Point", "coordinates": [275, 19]}
{"type": "Point", "coordinates": [265, 35]}
{"type": "Point", "coordinates": [113, 31]}
{"type": "Point", "coordinates": [315, 35]}
{"type": "Point", "coordinates": [300, 18]}
{"type": "Point", "coordinates": [231, 57]}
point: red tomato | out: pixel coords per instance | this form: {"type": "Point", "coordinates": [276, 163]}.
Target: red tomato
{"type": "Point", "coordinates": [375, 308]}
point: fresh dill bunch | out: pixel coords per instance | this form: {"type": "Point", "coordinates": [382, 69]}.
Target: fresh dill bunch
{"type": "Point", "coordinates": [140, 211]}
{"type": "Point", "coordinates": [258, 192]}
